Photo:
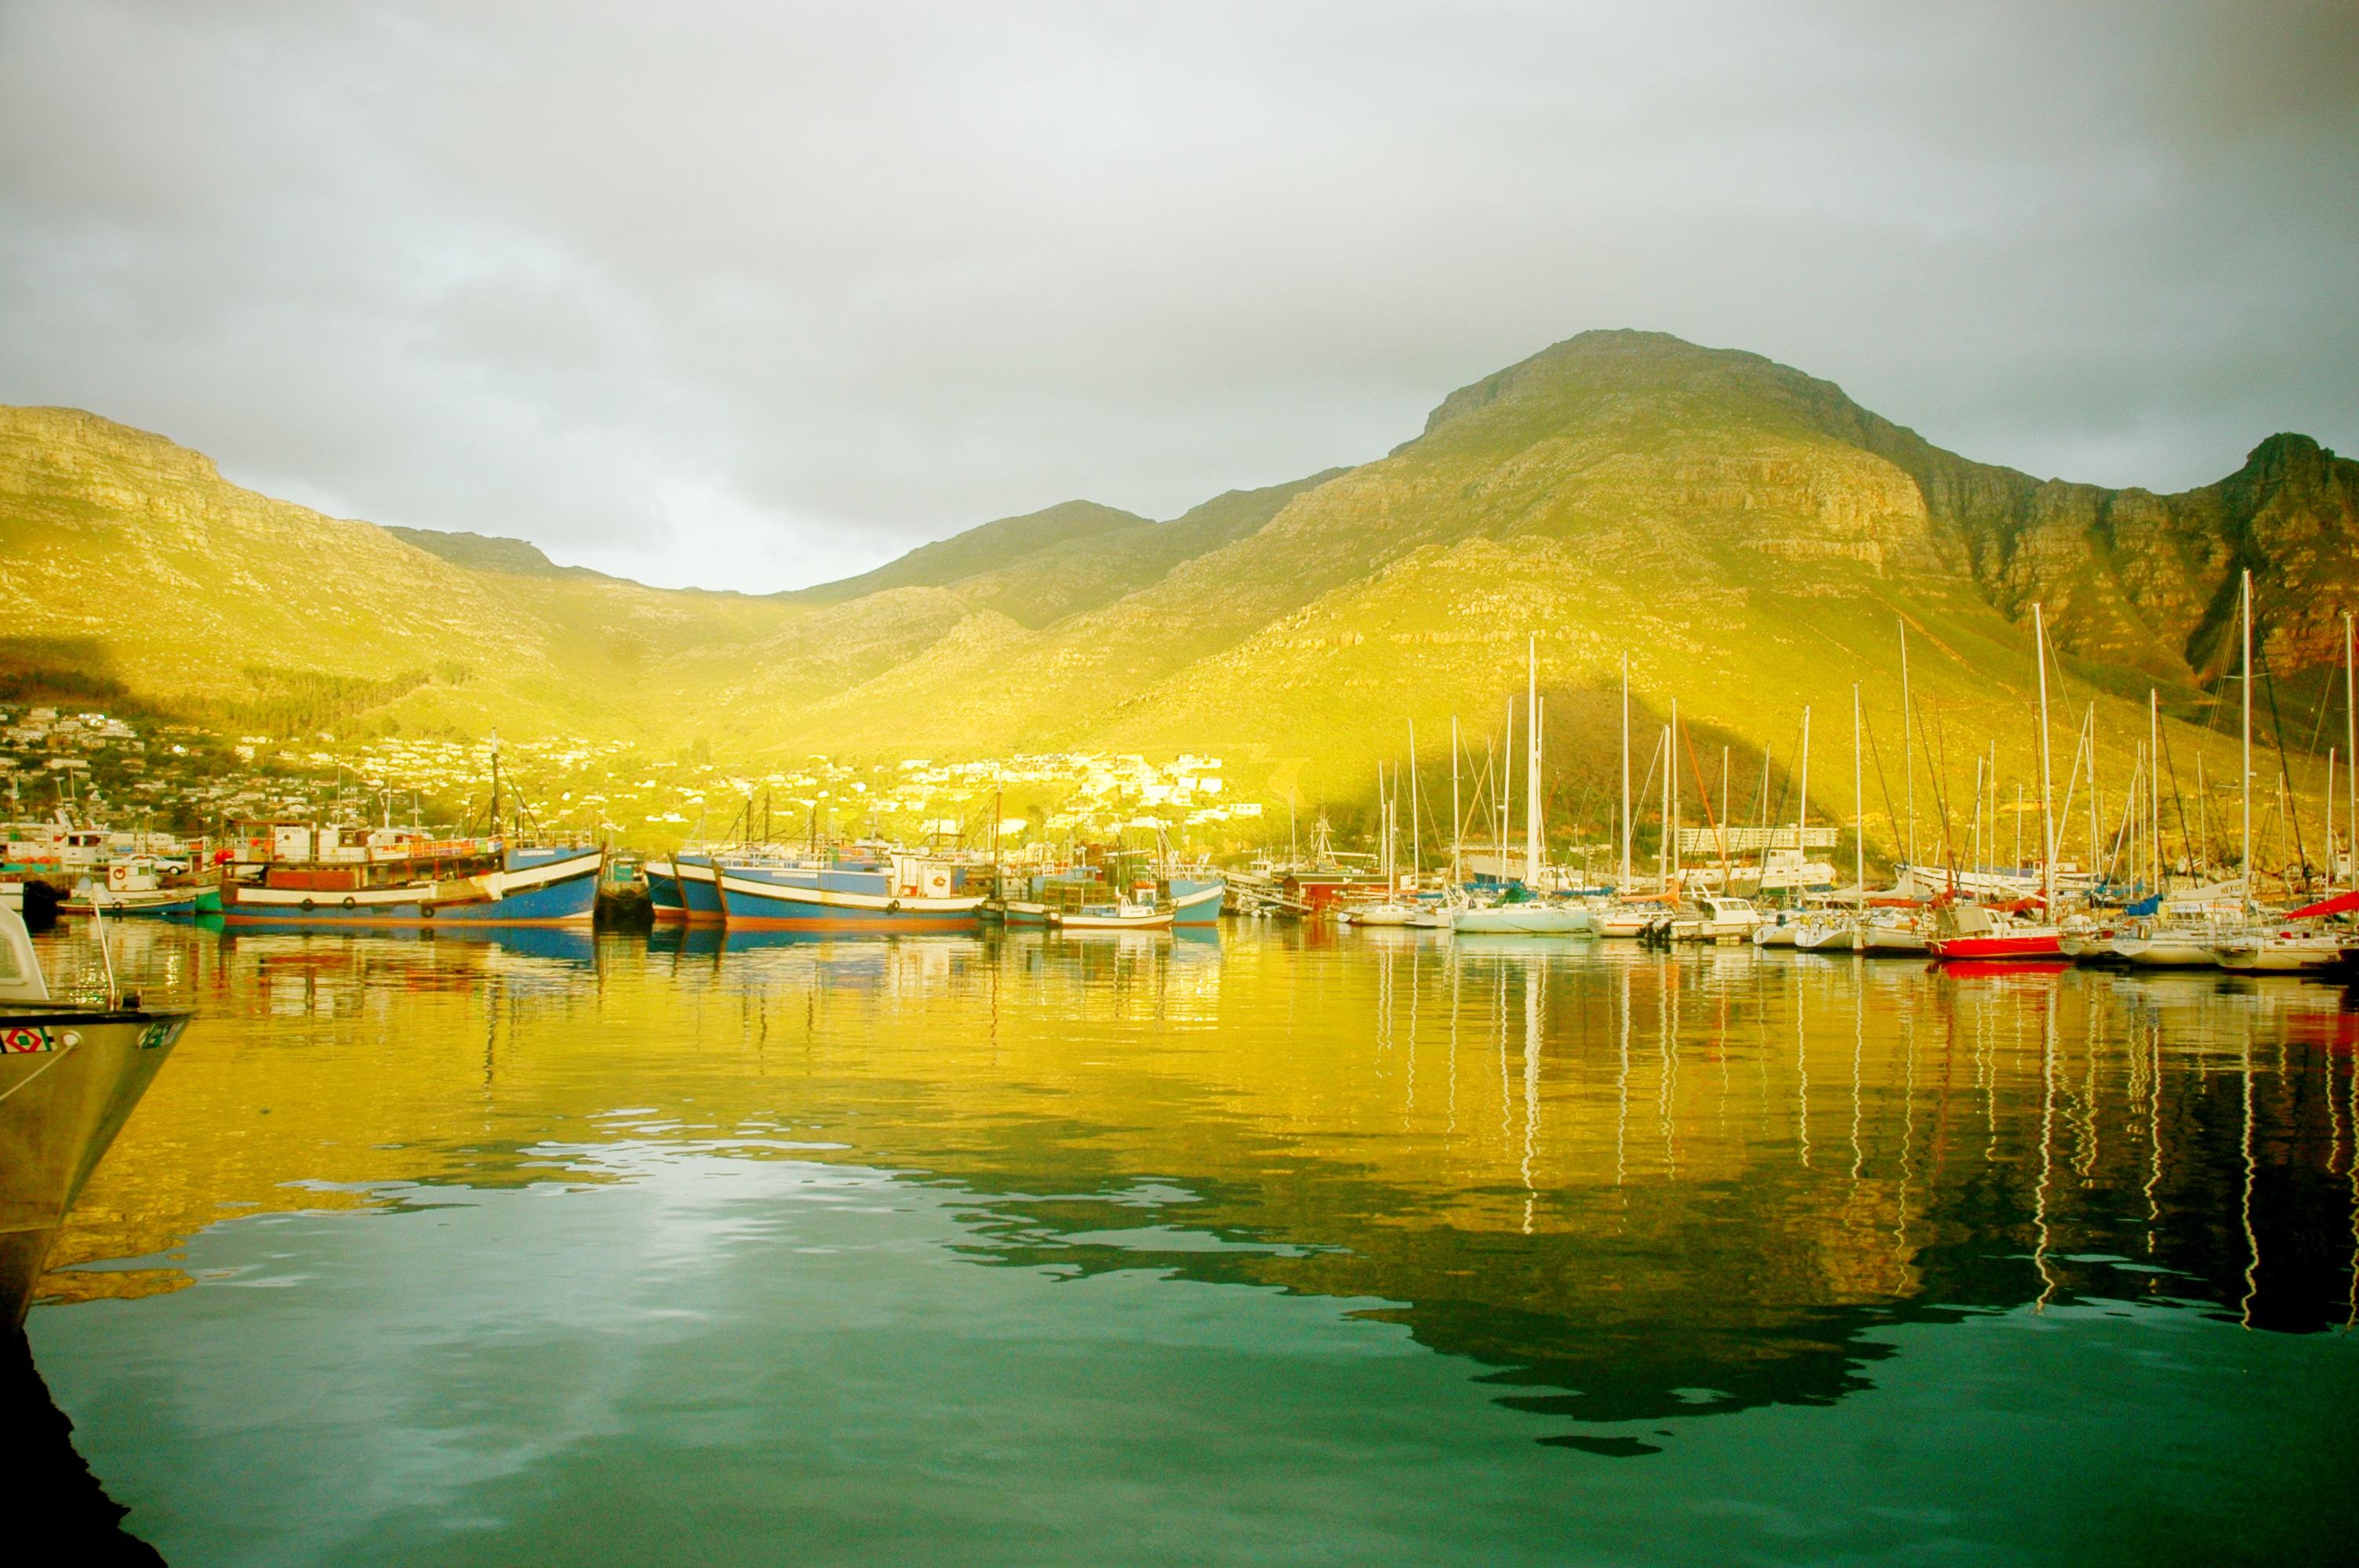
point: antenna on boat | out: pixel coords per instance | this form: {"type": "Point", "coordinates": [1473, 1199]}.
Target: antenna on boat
{"type": "Point", "coordinates": [105, 950]}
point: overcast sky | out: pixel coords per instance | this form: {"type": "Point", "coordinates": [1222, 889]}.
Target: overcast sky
{"type": "Point", "coordinates": [757, 296]}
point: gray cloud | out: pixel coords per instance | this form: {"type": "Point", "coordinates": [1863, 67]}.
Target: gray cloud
{"type": "Point", "coordinates": [757, 294]}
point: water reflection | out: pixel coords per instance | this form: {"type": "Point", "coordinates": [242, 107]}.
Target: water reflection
{"type": "Point", "coordinates": [1640, 1187]}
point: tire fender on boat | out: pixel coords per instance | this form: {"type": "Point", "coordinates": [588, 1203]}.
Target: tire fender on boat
{"type": "Point", "coordinates": [893, 906]}
{"type": "Point", "coordinates": [306, 906]}
{"type": "Point", "coordinates": [351, 903]}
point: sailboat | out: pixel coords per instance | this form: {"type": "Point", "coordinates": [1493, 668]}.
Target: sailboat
{"type": "Point", "coordinates": [1525, 914]}
{"type": "Point", "coordinates": [1391, 908]}
{"type": "Point", "coordinates": [1829, 931]}
{"type": "Point", "coordinates": [2272, 947]}
{"type": "Point", "coordinates": [1969, 931]}
{"type": "Point", "coordinates": [1777, 930]}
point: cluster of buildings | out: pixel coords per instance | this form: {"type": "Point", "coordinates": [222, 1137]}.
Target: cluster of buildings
{"type": "Point", "coordinates": [105, 768]}
{"type": "Point", "coordinates": [620, 792]}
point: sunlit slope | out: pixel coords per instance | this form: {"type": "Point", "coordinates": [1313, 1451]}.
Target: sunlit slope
{"type": "Point", "coordinates": [1749, 535]}
{"type": "Point", "coordinates": [126, 554]}
{"type": "Point", "coordinates": [1620, 491]}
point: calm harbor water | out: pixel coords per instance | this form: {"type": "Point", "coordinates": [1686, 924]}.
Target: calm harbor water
{"type": "Point", "coordinates": [1274, 1246]}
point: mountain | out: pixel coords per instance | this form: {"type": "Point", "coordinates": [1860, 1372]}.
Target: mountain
{"type": "Point", "coordinates": [132, 560]}
{"type": "Point", "coordinates": [1750, 537]}
{"type": "Point", "coordinates": [488, 553]}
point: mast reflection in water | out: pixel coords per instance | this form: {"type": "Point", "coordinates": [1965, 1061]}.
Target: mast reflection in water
{"type": "Point", "coordinates": [1270, 1247]}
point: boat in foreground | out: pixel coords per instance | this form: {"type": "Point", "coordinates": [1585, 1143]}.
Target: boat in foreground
{"type": "Point", "coordinates": [70, 1074]}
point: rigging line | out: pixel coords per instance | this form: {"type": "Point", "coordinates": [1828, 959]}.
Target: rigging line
{"type": "Point", "coordinates": [1876, 755]}
{"type": "Point", "coordinates": [1705, 790]}
{"type": "Point", "coordinates": [1785, 796]}
{"type": "Point", "coordinates": [2284, 770]}
{"type": "Point", "coordinates": [1941, 789]}
{"type": "Point", "coordinates": [2129, 802]}
{"type": "Point", "coordinates": [2186, 838]}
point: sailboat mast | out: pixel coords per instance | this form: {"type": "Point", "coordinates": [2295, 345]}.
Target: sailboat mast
{"type": "Point", "coordinates": [1507, 785]}
{"type": "Point", "coordinates": [1415, 859]}
{"type": "Point", "coordinates": [1858, 807]}
{"type": "Point", "coordinates": [1802, 806]}
{"type": "Point", "coordinates": [2351, 745]}
{"type": "Point", "coordinates": [2245, 597]}
{"type": "Point", "coordinates": [1907, 746]}
{"type": "Point", "coordinates": [1457, 825]}
{"type": "Point", "coordinates": [1532, 764]}
{"type": "Point", "coordinates": [2046, 781]}
{"type": "Point", "coordinates": [1626, 768]}
{"type": "Point", "coordinates": [2154, 782]}
{"type": "Point", "coordinates": [1978, 814]}
{"type": "Point", "coordinates": [1663, 851]}
{"type": "Point", "coordinates": [1672, 785]}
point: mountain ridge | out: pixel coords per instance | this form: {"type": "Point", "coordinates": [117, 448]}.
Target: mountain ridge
{"type": "Point", "coordinates": [1748, 532]}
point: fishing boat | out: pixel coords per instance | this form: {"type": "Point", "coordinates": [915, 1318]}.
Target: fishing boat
{"type": "Point", "coordinates": [1197, 897]}
{"type": "Point", "coordinates": [1119, 916]}
{"type": "Point", "coordinates": [885, 893]}
{"type": "Point", "coordinates": [71, 1073]}
{"type": "Point", "coordinates": [142, 884]}
{"type": "Point", "coordinates": [301, 874]}
{"type": "Point", "coordinates": [685, 889]}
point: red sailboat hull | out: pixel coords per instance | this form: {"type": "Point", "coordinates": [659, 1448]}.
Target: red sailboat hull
{"type": "Point", "coordinates": [2012, 945]}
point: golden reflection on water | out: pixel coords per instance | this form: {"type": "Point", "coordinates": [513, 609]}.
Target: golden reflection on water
{"type": "Point", "coordinates": [1541, 1152]}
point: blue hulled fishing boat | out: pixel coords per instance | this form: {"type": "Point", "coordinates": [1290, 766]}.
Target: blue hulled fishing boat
{"type": "Point", "coordinates": [892, 893]}
{"type": "Point", "coordinates": [297, 875]}
{"type": "Point", "coordinates": [685, 889]}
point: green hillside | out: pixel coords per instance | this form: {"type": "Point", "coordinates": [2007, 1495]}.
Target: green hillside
{"type": "Point", "coordinates": [991, 547]}
{"type": "Point", "coordinates": [1750, 538]}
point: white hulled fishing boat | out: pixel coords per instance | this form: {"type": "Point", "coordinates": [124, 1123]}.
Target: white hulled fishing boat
{"type": "Point", "coordinates": [71, 1073]}
{"type": "Point", "coordinates": [1119, 916]}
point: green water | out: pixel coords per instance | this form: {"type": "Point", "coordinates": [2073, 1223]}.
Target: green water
{"type": "Point", "coordinates": [1269, 1249]}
